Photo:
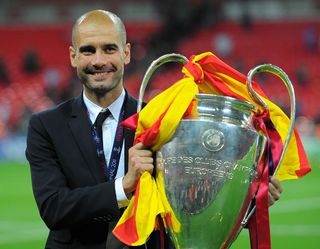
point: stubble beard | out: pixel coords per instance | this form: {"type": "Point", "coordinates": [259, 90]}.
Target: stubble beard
{"type": "Point", "coordinates": [99, 90]}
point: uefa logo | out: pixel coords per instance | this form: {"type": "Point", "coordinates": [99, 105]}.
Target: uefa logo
{"type": "Point", "coordinates": [212, 140]}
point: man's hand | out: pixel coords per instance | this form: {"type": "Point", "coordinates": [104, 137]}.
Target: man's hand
{"type": "Point", "coordinates": [140, 160]}
{"type": "Point", "coordinates": [275, 190]}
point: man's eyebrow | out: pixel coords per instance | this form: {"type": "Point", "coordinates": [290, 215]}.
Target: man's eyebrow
{"type": "Point", "coordinates": [110, 45]}
{"type": "Point", "coordinates": [87, 48]}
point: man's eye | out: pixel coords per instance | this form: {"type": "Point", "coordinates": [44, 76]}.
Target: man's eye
{"type": "Point", "coordinates": [87, 50]}
{"type": "Point", "coordinates": [110, 49]}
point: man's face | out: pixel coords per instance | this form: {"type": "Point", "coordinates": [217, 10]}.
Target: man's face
{"type": "Point", "coordinates": [99, 57]}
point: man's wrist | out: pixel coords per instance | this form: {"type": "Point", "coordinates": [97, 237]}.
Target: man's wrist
{"type": "Point", "coordinates": [121, 196]}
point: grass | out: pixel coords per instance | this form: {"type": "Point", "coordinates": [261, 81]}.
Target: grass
{"type": "Point", "coordinates": [295, 219]}
{"type": "Point", "coordinates": [20, 225]}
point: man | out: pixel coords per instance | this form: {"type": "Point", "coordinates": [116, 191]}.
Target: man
{"type": "Point", "coordinates": [74, 198]}
{"type": "Point", "coordinates": [81, 181]}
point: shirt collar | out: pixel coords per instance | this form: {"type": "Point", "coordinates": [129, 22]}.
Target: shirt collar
{"type": "Point", "coordinates": [114, 108]}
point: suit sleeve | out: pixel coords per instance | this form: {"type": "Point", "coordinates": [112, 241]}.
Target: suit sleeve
{"type": "Point", "coordinates": [60, 205]}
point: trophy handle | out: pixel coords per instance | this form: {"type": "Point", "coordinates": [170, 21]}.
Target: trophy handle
{"type": "Point", "coordinates": [285, 79]}
{"type": "Point", "coordinates": [269, 68]}
{"type": "Point", "coordinates": [154, 65]}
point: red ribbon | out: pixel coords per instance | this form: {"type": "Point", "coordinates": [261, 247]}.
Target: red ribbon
{"type": "Point", "coordinates": [259, 224]}
{"type": "Point", "coordinates": [195, 70]}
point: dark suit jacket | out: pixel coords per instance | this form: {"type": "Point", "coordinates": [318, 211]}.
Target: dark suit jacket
{"type": "Point", "coordinates": [73, 199]}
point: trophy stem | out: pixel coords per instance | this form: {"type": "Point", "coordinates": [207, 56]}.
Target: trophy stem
{"type": "Point", "coordinates": [154, 65]}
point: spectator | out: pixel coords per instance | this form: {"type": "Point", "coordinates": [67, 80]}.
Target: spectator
{"type": "Point", "coordinates": [31, 63]}
{"type": "Point", "coordinates": [4, 75]}
{"type": "Point", "coordinates": [310, 39]}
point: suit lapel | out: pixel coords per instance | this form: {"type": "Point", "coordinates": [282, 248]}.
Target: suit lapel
{"type": "Point", "coordinates": [80, 127]}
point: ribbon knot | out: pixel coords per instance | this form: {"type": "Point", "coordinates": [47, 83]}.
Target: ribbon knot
{"type": "Point", "coordinates": [261, 119]}
{"type": "Point", "coordinates": [194, 70]}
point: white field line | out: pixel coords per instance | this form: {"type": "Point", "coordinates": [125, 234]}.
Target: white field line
{"type": "Point", "coordinates": [296, 230]}
{"type": "Point", "coordinates": [296, 205]}
{"type": "Point", "coordinates": [16, 231]}
{"type": "Point", "coordinates": [19, 232]}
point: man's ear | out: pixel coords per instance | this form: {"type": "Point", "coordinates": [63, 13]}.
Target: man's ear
{"type": "Point", "coordinates": [127, 53]}
{"type": "Point", "coordinates": [72, 53]}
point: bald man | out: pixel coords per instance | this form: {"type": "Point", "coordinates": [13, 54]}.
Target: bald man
{"type": "Point", "coordinates": [83, 165]}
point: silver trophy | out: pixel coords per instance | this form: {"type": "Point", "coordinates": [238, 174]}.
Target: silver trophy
{"type": "Point", "coordinates": [211, 162]}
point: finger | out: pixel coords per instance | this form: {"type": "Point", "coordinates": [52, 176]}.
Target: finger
{"type": "Point", "coordinates": [143, 160]}
{"type": "Point", "coordinates": [143, 153]}
{"type": "Point", "coordinates": [275, 193]}
{"type": "Point", "coordinates": [272, 188]}
{"type": "Point", "coordinates": [140, 150]}
{"type": "Point", "coordinates": [271, 200]}
{"type": "Point", "coordinates": [159, 162]}
{"type": "Point", "coordinates": [143, 157]}
{"type": "Point", "coordinates": [139, 146]}
{"type": "Point", "coordinates": [146, 168]}
{"type": "Point", "coordinates": [141, 164]}
{"type": "Point", "coordinates": [276, 183]}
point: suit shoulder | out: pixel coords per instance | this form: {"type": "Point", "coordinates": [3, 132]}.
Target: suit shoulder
{"type": "Point", "coordinates": [58, 112]}
{"type": "Point", "coordinates": [131, 99]}
{"type": "Point", "coordinates": [63, 107]}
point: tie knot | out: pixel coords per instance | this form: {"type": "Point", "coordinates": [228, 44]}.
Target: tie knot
{"type": "Point", "coordinates": [102, 117]}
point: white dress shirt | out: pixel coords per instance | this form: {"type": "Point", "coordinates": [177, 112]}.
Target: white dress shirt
{"type": "Point", "coordinates": [109, 128]}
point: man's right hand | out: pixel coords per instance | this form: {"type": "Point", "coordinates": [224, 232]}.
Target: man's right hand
{"type": "Point", "coordinates": [140, 160]}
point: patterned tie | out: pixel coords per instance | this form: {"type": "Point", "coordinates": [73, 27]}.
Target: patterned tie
{"type": "Point", "coordinates": [99, 121]}
{"type": "Point", "coordinates": [112, 241]}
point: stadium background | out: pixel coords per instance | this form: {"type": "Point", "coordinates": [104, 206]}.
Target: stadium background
{"type": "Point", "coordinates": [35, 74]}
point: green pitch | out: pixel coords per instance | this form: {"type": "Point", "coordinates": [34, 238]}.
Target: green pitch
{"type": "Point", "coordinates": [20, 225]}
{"type": "Point", "coordinates": [295, 219]}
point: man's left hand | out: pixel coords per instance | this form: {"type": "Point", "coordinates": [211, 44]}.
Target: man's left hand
{"type": "Point", "coordinates": [275, 190]}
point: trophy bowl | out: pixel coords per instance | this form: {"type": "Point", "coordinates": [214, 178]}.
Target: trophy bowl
{"type": "Point", "coordinates": [208, 167]}
{"type": "Point", "coordinates": [210, 163]}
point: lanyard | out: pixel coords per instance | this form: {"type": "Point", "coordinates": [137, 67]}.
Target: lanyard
{"type": "Point", "coordinates": [110, 169]}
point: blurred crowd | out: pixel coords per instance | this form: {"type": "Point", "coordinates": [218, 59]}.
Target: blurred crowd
{"type": "Point", "coordinates": [40, 86]}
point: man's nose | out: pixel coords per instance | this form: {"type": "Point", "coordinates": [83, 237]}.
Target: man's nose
{"type": "Point", "coordinates": [99, 58]}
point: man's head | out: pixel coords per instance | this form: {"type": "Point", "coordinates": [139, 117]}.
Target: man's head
{"type": "Point", "coordinates": [102, 14]}
{"type": "Point", "coordinates": [99, 52]}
